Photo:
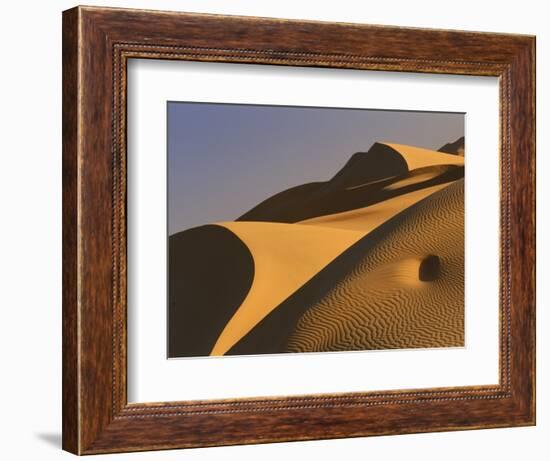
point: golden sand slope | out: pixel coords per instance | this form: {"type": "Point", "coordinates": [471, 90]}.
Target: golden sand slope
{"type": "Point", "coordinates": [416, 157]}
{"type": "Point", "coordinates": [285, 257]}
{"type": "Point", "coordinates": [380, 303]}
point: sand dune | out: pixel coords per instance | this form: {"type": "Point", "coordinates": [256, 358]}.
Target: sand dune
{"type": "Point", "coordinates": [200, 259]}
{"type": "Point", "coordinates": [417, 176]}
{"type": "Point", "coordinates": [370, 259]}
{"type": "Point", "coordinates": [381, 303]}
{"type": "Point", "coordinates": [416, 157]}
{"type": "Point", "coordinates": [368, 218]}
{"type": "Point", "coordinates": [363, 181]}
{"type": "Point", "coordinates": [285, 257]}
{"type": "Point", "coordinates": [456, 148]}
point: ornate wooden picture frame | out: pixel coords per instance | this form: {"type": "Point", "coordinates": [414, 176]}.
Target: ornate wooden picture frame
{"type": "Point", "coordinates": [97, 44]}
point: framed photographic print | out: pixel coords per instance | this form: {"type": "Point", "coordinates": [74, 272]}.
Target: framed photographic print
{"type": "Point", "coordinates": [284, 230]}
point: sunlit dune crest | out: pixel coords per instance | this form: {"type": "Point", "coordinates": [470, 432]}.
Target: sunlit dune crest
{"type": "Point", "coordinates": [369, 218]}
{"type": "Point", "coordinates": [417, 157]}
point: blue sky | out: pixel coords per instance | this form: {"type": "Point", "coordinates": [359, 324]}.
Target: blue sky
{"type": "Point", "coordinates": [223, 159]}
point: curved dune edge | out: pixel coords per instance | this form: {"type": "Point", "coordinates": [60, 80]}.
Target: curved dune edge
{"type": "Point", "coordinates": [197, 313]}
{"type": "Point", "coordinates": [369, 218]}
{"type": "Point", "coordinates": [286, 256]}
{"type": "Point", "coordinates": [420, 177]}
{"type": "Point", "coordinates": [417, 157]}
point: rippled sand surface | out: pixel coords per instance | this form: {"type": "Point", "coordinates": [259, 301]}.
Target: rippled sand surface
{"type": "Point", "coordinates": [382, 303]}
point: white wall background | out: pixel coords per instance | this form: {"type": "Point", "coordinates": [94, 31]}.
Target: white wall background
{"type": "Point", "coordinates": [30, 243]}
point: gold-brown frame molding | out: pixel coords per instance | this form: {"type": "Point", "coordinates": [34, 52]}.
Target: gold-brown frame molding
{"type": "Point", "coordinates": [97, 43]}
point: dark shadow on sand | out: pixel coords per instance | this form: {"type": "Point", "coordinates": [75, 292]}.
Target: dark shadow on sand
{"type": "Point", "coordinates": [210, 273]}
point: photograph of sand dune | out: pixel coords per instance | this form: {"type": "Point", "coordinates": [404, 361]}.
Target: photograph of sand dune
{"type": "Point", "coordinates": [311, 229]}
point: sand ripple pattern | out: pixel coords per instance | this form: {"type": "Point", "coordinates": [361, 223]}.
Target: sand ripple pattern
{"type": "Point", "coordinates": [381, 303]}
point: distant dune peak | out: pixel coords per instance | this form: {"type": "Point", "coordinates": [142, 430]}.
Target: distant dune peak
{"type": "Point", "coordinates": [379, 162]}
{"type": "Point", "coordinates": [456, 148]}
{"type": "Point", "coordinates": [365, 179]}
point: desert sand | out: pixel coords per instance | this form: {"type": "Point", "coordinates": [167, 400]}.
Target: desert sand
{"type": "Point", "coordinates": [371, 259]}
{"type": "Point", "coordinates": [285, 256]}
{"type": "Point", "coordinates": [368, 218]}
{"type": "Point", "coordinates": [416, 157]}
{"type": "Point", "coordinates": [381, 302]}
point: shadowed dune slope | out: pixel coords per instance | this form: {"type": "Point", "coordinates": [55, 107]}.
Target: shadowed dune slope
{"type": "Point", "coordinates": [364, 180]}
{"type": "Point", "coordinates": [382, 303]}
{"type": "Point", "coordinates": [379, 162]}
{"type": "Point", "coordinates": [205, 289]}
{"type": "Point", "coordinates": [456, 148]}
